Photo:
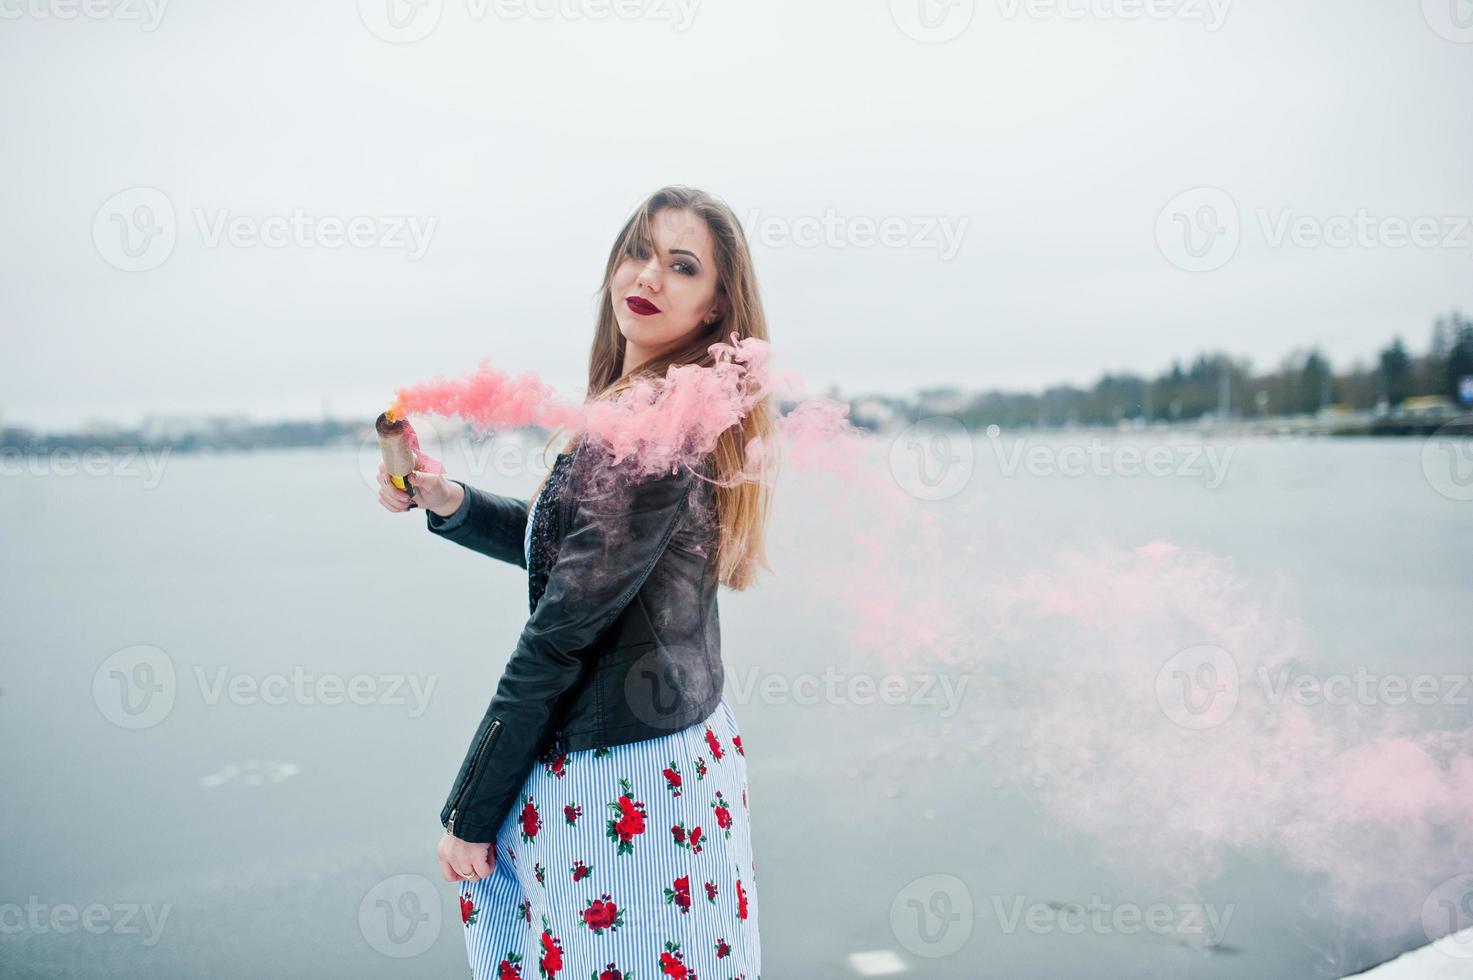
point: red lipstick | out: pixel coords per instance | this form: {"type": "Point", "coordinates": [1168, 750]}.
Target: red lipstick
{"type": "Point", "coordinates": [641, 306]}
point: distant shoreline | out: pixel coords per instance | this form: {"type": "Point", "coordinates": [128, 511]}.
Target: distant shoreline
{"type": "Point", "coordinates": [243, 436]}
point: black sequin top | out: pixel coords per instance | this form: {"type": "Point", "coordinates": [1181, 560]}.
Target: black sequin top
{"type": "Point", "coordinates": [543, 531]}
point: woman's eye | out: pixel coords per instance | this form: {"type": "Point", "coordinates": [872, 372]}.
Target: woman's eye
{"type": "Point", "coordinates": [688, 269]}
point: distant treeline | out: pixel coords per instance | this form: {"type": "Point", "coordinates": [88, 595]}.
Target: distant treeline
{"type": "Point", "coordinates": [1218, 384]}
{"type": "Point", "coordinates": [1214, 385]}
{"type": "Point", "coordinates": [262, 435]}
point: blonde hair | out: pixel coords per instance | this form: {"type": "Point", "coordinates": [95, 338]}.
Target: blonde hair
{"type": "Point", "coordinates": [742, 507]}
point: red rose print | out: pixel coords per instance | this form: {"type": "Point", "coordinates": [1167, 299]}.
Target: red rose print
{"type": "Point", "coordinates": [468, 910]}
{"type": "Point", "coordinates": [571, 813]}
{"type": "Point", "coordinates": [723, 949]}
{"type": "Point", "coordinates": [552, 952]}
{"type": "Point", "coordinates": [715, 744]}
{"type": "Point", "coordinates": [741, 900]}
{"type": "Point", "coordinates": [710, 891]}
{"type": "Point", "coordinates": [557, 766]}
{"type": "Point", "coordinates": [672, 963]}
{"type": "Point", "coordinates": [723, 814]}
{"type": "Point", "coordinates": [531, 821]}
{"type": "Point", "coordinates": [580, 870]}
{"type": "Point", "coordinates": [736, 740]}
{"type": "Point", "coordinates": [602, 914]}
{"type": "Point", "coordinates": [630, 822]}
{"type": "Point", "coordinates": [680, 894]}
{"type": "Point", "coordinates": [527, 910]}
{"type": "Point", "coordinates": [540, 872]}
{"type": "Point", "coordinates": [700, 768]}
{"type": "Point", "coordinates": [690, 840]}
{"type": "Point", "coordinates": [672, 778]}
{"type": "Point", "coordinates": [509, 970]}
{"type": "Point", "coordinates": [610, 972]}
{"type": "Point", "coordinates": [744, 798]}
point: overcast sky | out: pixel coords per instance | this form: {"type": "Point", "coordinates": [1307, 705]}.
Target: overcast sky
{"type": "Point", "coordinates": [1036, 167]}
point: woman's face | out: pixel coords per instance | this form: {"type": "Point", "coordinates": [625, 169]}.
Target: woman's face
{"type": "Point", "coordinates": [663, 297]}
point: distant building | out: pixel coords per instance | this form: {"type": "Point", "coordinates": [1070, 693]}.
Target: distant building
{"type": "Point", "coordinates": [942, 401]}
{"type": "Point", "coordinates": [171, 428]}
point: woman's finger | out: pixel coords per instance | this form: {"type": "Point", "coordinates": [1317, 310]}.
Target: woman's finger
{"type": "Point", "coordinates": [480, 861]}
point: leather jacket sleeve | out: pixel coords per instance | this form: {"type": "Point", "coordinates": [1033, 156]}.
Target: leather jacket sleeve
{"type": "Point", "coordinates": [486, 522]}
{"type": "Point", "coordinates": [611, 543]}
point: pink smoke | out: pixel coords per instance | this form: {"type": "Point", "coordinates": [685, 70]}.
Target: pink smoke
{"type": "Point", "coordinates": [657, 425]}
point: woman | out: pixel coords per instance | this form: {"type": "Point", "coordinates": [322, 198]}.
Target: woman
{"type": "Point", "coordinates": [599, 823]}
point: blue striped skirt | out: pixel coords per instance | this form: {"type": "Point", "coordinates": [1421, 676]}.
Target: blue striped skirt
{"type": "Point", "coordinates": [628, 861]}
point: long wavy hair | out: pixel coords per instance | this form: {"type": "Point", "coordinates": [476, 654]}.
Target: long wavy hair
{"type": "Point", "coordinates": [743, 506]}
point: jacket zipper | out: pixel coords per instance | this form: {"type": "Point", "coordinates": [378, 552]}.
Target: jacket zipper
{"type": "Point", "coordinates": [491, 730]}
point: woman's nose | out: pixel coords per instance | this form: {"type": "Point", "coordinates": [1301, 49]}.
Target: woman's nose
{"type": "Point", "coordinates": [649, 278]}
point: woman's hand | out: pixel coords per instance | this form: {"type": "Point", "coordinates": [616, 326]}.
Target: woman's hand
{"type": "Point", "coordinates": [432, 490]}
{"type": "Point", "coordinates": [463, 861]}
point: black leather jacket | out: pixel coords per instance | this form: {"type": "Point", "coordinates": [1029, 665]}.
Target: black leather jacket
{"type": "Point", "coordinates": [623, 642]}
